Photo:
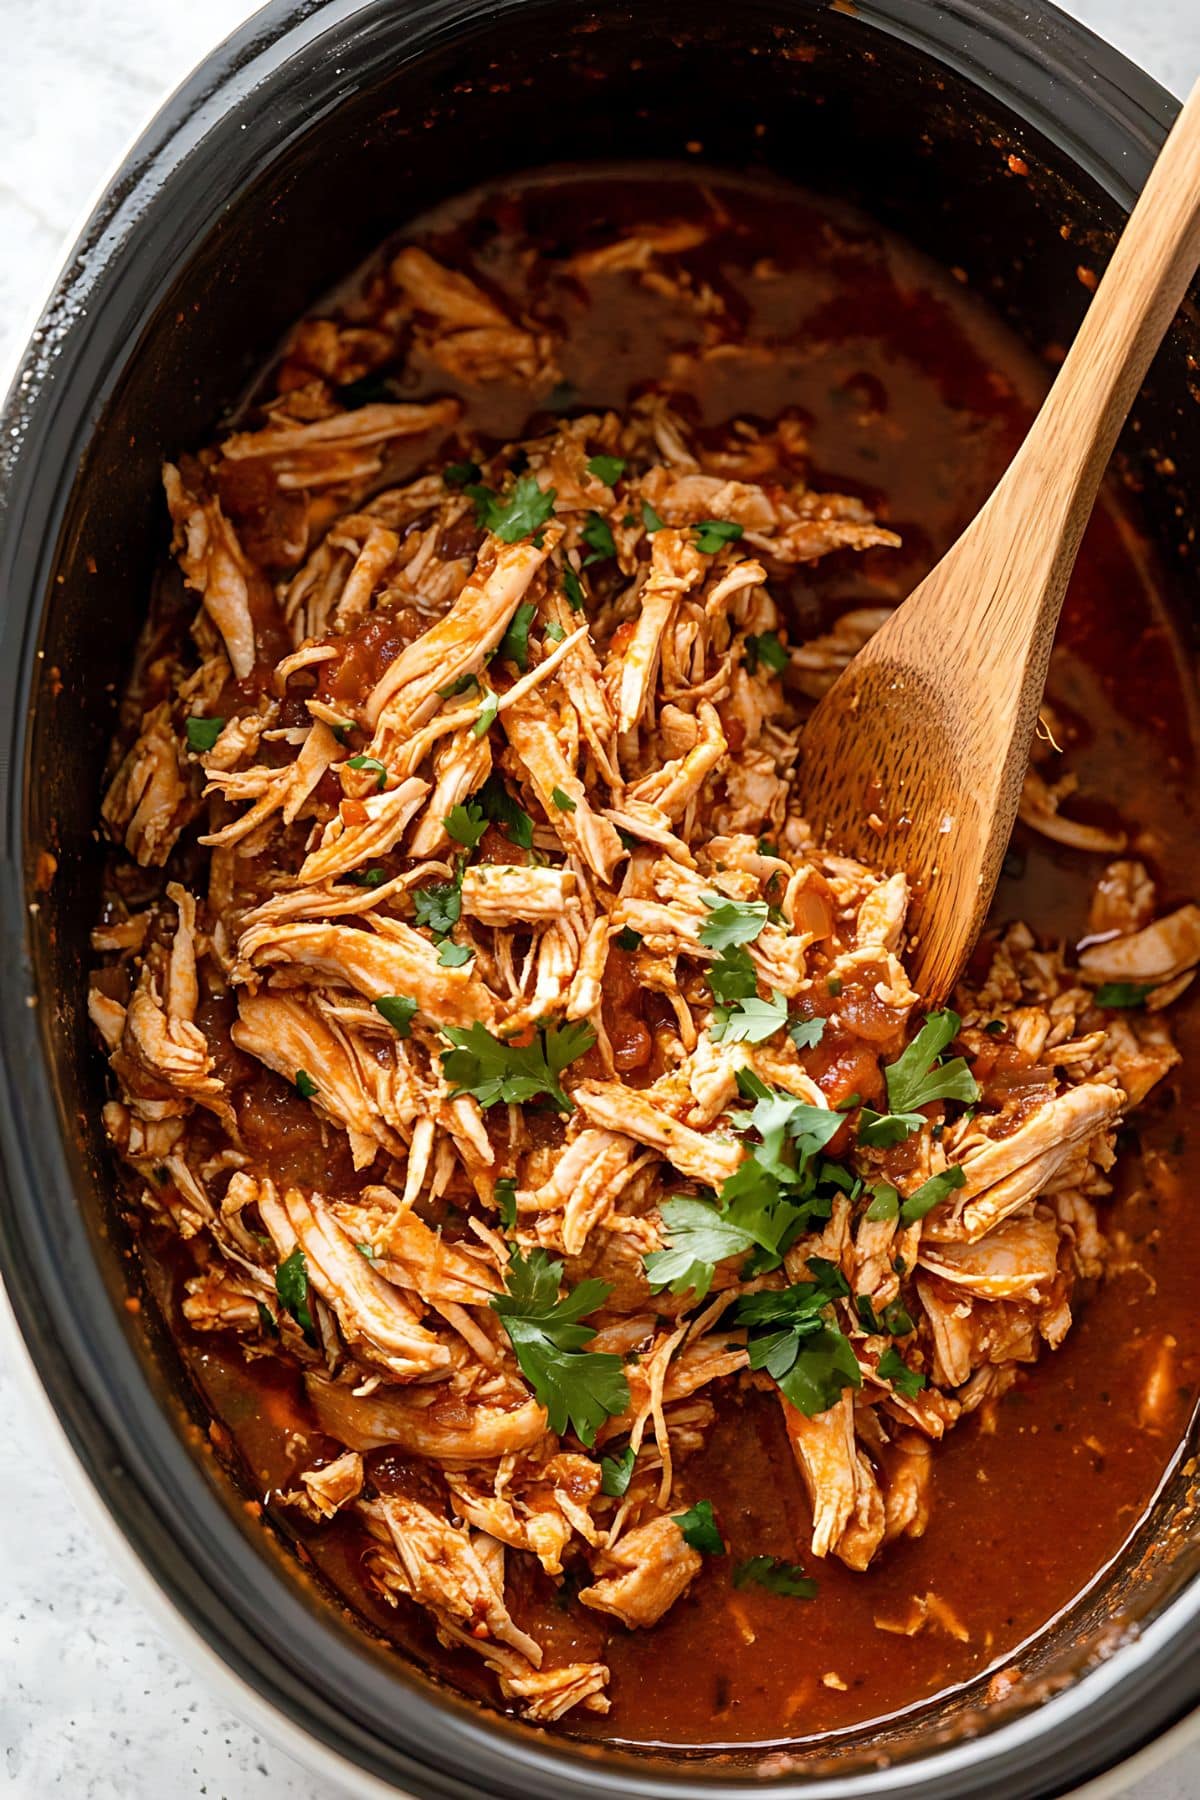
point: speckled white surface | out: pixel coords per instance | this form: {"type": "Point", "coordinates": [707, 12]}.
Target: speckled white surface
{"type": "Point", "coordinates": [94, 1703]}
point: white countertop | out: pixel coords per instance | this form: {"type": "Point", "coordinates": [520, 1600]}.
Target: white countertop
{"type": "Point", "coordinates": [94, 1705]}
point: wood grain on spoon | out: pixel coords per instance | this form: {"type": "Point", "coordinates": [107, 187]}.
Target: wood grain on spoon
{"type": "Point", "coordinates": [914, 759]}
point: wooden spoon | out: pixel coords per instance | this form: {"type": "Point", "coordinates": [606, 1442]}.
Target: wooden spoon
{"type": "Point", "coordinates": [914, 759]}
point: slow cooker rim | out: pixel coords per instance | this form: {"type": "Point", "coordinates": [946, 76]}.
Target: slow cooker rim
{"type": "Point", "coordinates": [1110, 117]}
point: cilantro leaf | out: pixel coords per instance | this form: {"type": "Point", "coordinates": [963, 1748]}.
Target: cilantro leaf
{"type": "Point", "coordinates": [916, 1077]}
{"type": "Point", "coordinates": [886, 1204]}
{"type": "Point", "coordinates": [499, 808]}
{"type": "Point", "coordinates": [458, 474]}
{"type": "Point", "coordinates": [608, 469]}
{"type": "Point", "coordinates": [780, 1119]}
{"type": "Point", "coordinates": [506, 1200]}
{"type": "Point", "coordinates": [790, 1336]}
{"type": "Point", "coordinates": [699, 1529]}
{"type": "Point", "coordinates": [713, 534]}
{"type": "Point", "coordinates": [731, 976]}
{"type": "Point", "coordinates": [365, 878]}
{"type": "Point", "coordinates": [439, 906]}
{"type": "Point", "coordinates": [306, 1087]}
{"type": "Point", "coordinates": [525, 511]}
{"type": "Point", "coordinates": [767, 650]}
{"type": "Point", "coordinates": [515, 643]}
{"type": "Point", "coordinates": [700, 1236]}
{"type": "Point", "coordinates": [776, 1576]}
{"type": "Point", "coordinates": [399, 1011]}
{"type": "Point", "coordinates": [731, 922]}
{"type": "Point", "coordinates": [597, 535]}
{"type": "Point", "coordinates": [466, 824]}
{"type": "Point", "coordinates": [892, 1367]}
{"type": "Point", "coordinates": [753, 1021]}
{"type": "Point", "coordinates": [370, 762]}
{"type": "Point", "coordinates": [930, 1192]}
{"type": "Point", "coordinates": [616, 1472]}
{"type": "Point", "coordinates": [804, 1033]}
{"type": "Point", "coordinates": [650, 518]}
{"type": "Point", "coordinates": [576, 1386]}
{"type": "Point", "coordinates": [572, 587]}
{"type": "Point", "coordinates": [452, 955]}
{"type": "Point", "coordinates": [291, 1284]}
{"type": "Point", "coordinates": [882, 1130]}
{"type": "Point", "coordinates": [202, 734]}
{"type": "Point", "coordinates": [563, 801]}
{"type": "Point", "coordinates": [1109, 993]}
{"type": "Point", "coordinates": [492, 1071]}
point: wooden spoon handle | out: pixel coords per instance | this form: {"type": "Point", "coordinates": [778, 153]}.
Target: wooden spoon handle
{"type": "Point", "coordinates": [1062, 461]}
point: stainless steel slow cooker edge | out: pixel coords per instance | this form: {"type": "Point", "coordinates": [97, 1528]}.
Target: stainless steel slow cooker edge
{"type": "Point", "coordinates": [212, 227]}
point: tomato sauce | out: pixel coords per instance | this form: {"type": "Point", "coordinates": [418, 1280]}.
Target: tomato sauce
{"type": "Point", "coordinates": [914, 397]}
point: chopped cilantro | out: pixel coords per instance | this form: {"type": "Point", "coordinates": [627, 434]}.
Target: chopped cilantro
{"type": "Point", "coordinates": [563, 801]}
{"type": "Point", "coordinates": [466, 824]}
{"type": "Point", "coordinates": [731, 922]}
{"type": "Point", "coordinates": [699, 1529]}
{"type": "Point", "coordinates": [291, 1284]}
{"type": "Point", "coordinates": [608, 469]}
{"type": "Point", "coordinates": [892, 1367]}
{"type": "Point", "coordinates": [917, 1078]}
{"type": "Point", "coordinates": [452, 955]}
{"type": "Point", "coordinates": [572, 587]}
{"type": "Point", "coordinates": [1120, 993]}
{"type": "Point", "coordinates": [373, 763]}
{"type": "Point", "coordinates": [833, 985]}
{"type": "Point", "coordinates": [306, 1087]}
{"type": "Point", "coordinates": [792, 1337]}
{"type": "Point", "coordinates": [751, 1021]}
{"type": "Point", "coordinates": [439, 906]}
{"type": "Point", "coordinates": [506, 1200]}
{"type": "Point", "coordinates": [366, 878]}
{"type": "Point", "coordinates": [525, 511]}
{"type": "Point", "coordinates": [491, 1070]}
{"type": "Point", "coordinates": [462, 686]}
{"type": "Point", "coordinates": [460, 474]}
{"type": "Point", "coordinates": [576, 1386]}
{"type": "Point", "coordinates": [930, 1192]}
{"type": "Point", "coordinates": [767, 650]}
{"type": "Point", "coordinates": [485, 718]}
{"type": "Point", "coordinates": [886, 1204]}
{"type": "Point", "coordinates": [366, 1252]}
{"type": "Point", "coordinates": [399, 1010]}
{"type": "Point", "coordinates": [731, 976]}
{"type": "Point", "coordinates": [616, 1472]}
{"type": "Point", "coordinates": [597, 535]}
{"type": "Point", "coordinates": [804, 1033]}
{"type": "Point", "coordinates": [713, 534]}
{"type": "Point", "coordinates": [202, 734]}
{"type": "Point", "coordinates": [762, 1206]}
{"type": "Point", "coordinates": [515, 643]}
{"type": "Point", "coordinates": [650, 518]}
{"type": "Point", "coordinates": [502, 810]}
{"type": "Point", "coordinates": [776, 1576]}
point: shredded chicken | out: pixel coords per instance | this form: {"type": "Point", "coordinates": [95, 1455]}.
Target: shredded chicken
{"type": "Point", "coordinates": [496, 961]}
